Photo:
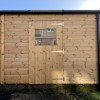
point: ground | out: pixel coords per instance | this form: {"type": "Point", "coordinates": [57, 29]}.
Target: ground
{"type": "Point", "coordinates": [44, 95]}
{"type": "Point", "coordinates": [32, 92]}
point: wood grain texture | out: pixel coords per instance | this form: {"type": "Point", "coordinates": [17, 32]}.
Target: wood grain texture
{"type": "Point", "coordinates": [2, 48]}
{"type": "Point", "coordinates": [31, 55]}
{"type": "Point", "coordinates": [46, 67]}
{"type": "Point", "coordinates": [16, 50]}
{"type": "Point", "coordinates": [78, 40]}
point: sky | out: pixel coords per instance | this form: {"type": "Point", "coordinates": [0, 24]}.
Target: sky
{"type": "Point", "coordinates": [49, 4]}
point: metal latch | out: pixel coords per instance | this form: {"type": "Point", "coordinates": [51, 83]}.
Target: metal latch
{"type": "Point", "coordinates": [59, 51]}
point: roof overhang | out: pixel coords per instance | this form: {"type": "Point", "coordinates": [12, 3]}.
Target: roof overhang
{"type": "Point", "coordinates": [49, 11]}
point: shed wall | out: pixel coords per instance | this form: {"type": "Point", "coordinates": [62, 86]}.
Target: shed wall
{"type": "Point", "coordinates": [16, 49]}
{"type": "Point", "coordinates": [79, 42]}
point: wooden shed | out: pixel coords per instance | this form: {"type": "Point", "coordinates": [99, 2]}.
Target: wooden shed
{"type": "Point", "coordinates": [49, 47]}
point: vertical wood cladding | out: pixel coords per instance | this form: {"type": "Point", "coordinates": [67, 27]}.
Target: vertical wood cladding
{"type": "Point", "coordinates": [79, 43]}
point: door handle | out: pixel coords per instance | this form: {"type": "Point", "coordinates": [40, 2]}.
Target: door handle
{"type": "Point", "coordinates": [59, 51]}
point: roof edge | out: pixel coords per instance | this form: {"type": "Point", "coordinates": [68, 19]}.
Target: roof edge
{"type": "Point", "coordinates": [47, 11]}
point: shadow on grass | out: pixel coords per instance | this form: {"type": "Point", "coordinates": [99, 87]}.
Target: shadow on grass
{"type": "Point", "coordinates": [49, 92]}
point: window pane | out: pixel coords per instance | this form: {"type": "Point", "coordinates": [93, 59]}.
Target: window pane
{"type": "Point", "coordinates": [45, 36]}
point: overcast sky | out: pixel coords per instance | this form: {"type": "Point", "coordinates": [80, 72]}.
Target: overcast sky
{"type": "Point", "coordinates": [49, 4]}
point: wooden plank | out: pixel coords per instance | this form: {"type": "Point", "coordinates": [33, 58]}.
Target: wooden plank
{"type": "Point", "coordinates": [37, 58]}
{"type": "Point", "coordinates": [13, 79]}
{"type": "Point", "coordinates": [31, 54]}
{"type": "Point", "coordinates": [16, 52]}
{"type": "Point", "coordinates": [16, 37]}
{"type": "Point", "coordinates": [40, 65]}
{"type": "Point", "coordinates": [60, 67]}
{"type": "Point", "coordinates": [16, 33]}
{"type": "Point", "coordinates": [49, 65]}
{"type": "Point", "coordinates": [16, 71]}
{"type": "Point", "coordinates": [54, 66]}
{"type": "Point", "coordinates": [2, 49]}
{"type": "Point", "coordinates": [16, 26]}
{"type": "Point", "coordinates": [16, 22]}
{"type": "Point", "coordinates": [16, 56]}
{"type": "Point", "coordinates": [16, 48]}
{"type": "Point", "coordinates": [15, 40]}
{"type": "Point", "coordinates": [10, 64]}
{"type": "Point", "coordinates": [16, 59]}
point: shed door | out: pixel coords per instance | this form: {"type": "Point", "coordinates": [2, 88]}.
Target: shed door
{"type": "Point", "coordinates": [46, 52]}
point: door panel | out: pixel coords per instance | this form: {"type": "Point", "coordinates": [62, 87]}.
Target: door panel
{"type": "Point", "coordinates": [40, 63]}
{"type": "Point", "coordinates": [45, 63]}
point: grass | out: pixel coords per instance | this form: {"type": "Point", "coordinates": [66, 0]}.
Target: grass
{"type": "Point", "coordinates": [50, 92]}
{"type": "Point", "coordinates": [44, 95]}
{"type": "Point", "coordinates": [93, 96]}
{"type": "Point", "coordinates": [89, 96]}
